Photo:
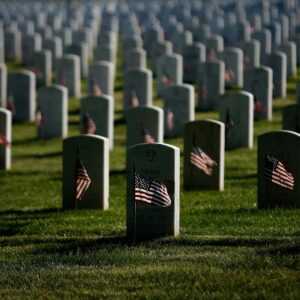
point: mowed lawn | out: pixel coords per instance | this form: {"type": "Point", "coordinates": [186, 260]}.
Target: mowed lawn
{"type": "Point", "coordinates": [227, 248]}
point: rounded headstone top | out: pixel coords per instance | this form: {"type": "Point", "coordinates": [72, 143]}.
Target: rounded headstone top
{"type": "Point", "coordinates": [102, 63]}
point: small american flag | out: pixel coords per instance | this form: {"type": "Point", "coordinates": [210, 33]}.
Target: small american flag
{"type": "Point", "coordinates": [166, 80]}
{"type": "Point", "coordinates": [11, 105]}
{"type": "Point", "coordinates": [229, 123]}
{"type": "Point", "coordinates": [211, 56]}
{"type": "Point", "coordinates": [247, 61]}
{"type": "Point", "coordinates": [39, 118]}
{"type": "Point", "coordinates": [96, 90]}
{"type": "Point", "coordinates": [89, 126]}
{"type": "Point", "coordinates": [62, 80]}
{"type": "Point", "coordinates": [134, 100]}
{"type": "Point", "coordinates": [202, 161]}
{"type": "Point", "coordinates": [202, 92]}
{"type": "Point", "coordinates": [258, 106]}
{"type": "Point", "coordinates": [229, 75]}
{"type": "Point", "coordinates": [276, 172]}
{"type": "Point", "coordinates": [82, 180]}
{"type": "Point", "coordinates": [148, 138]}
{"type": "Point", "coordinates": [4, 141]}
{"type": "Point", "coordinates": [151, 191]}
{"type": "Point", "coordinates": [170, 120]}
{"type": "Point", "coordinates": [37, 72]}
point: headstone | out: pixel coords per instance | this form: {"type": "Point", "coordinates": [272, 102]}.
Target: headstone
{"type": "Point", "coordinates": [290, 50]}
{"type": "Point", "coordinates": [251, 50]}
{"type": "Point", "coordinates": [233, 59]}
{"type": "Point", "coordinates": [298, 92]}
{"type": "Point", "coordinates": [68, 74]}
{"type": "Point", "coordinates": [2, 45]}
{"type": "Point", "coordinates": [85, 172]}
{"type": "Point", "coordinates": [160, 49]}
{"type": "Point", "coordinates": [42, 67]}
{"type": "Point", "coordinates": [278, 170]}
{"type": "Point", "coordinates": [30, 45]}
{"type": "Point", "coordinates": [275, 29]}
{"type": "Point", "coordinates": [52, 112]}
{"type": "Point", "coordinates": [84, 35]}
{"type": "Point", "coordinates": [108, 38]}
{"type": "Point", "coordinates": [101, 78]}
{"type": "Point", "coordinates": [265, 39]}
{"type": "Point", "coordinates": [13, 50]}
{"type": "Point", "coordinates": [181, 40]}
{"type": "Point", "coordinates": [259, 82]}
{"type": "Point", "coordinates": [202, 33]}
{"type": "Point", "coordinates": [291, 118]}
{"type": "Point", "coordinates": [152, 214]}
{"type": "Point", "coordinates": [236, 112]}
{"type": "Point", "coordinates": [66, 36]}
{"type": "Point", "coordinates": [179, 108]}
{"type": "Point", "coordinates": [144, 125]}
{"type": "Point", "coordinates": [97, 116]}
{"type": "Point", "coordinates": [278, 63]}
{"type": "Point", "coordinates": [22, 95]}
{"type": "Point", "coordinates": [5, 139]}
{"type": "Point", "coordinates": [137, 88]}
{"type": "Point", "coordinates": [132, 42]}
{"type": "Point", "coordinates": [104, 53]}
{"type": "Point", "coordinates": [204, 147]}
{"type": "Point", "coordinates": [81, 50]}
{"type": "Point", "coordinates": [3, 85]}
{"type": "Point", "coordinates": [56, 47]}
{"type": "Point", "coordinates": [135, 59]}
{"type": "Point", "coordinates": [45, 32]}
{"type": "Point", "coordinates": [192, 56]}
{"type": "Point", "coordinates": [211, 84]}
{"type": "Point", "coordinates": [169, 71]}
{"type": "Point", "coordinates": [214, 45]}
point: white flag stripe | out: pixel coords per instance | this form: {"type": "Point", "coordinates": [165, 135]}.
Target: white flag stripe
{"type": "Point", "coordinates": [282, 173]}
{"type": "Point", "coordinates": [150, 199]}
{"type": "Point", "coordinates": [150, 196]}
{"type": "Point", "coordinates": [283, 182]}
{"type": "Point", "coordinates": [151, 191]}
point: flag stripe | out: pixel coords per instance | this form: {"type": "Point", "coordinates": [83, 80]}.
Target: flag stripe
{"type": "Point", "coordinates": [273, 176]}
{"type": "Point", "coordinates": [276, 172]}
{"type": "Point", "coordinates": [202, 161]}
{"type": "Point", "coordinates": [151, 192]}
{"type": "Point", "coordinates": [82, 181]}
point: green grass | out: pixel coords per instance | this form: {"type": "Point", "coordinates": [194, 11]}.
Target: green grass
{"type": "Point", "coordinates": [227, 248]}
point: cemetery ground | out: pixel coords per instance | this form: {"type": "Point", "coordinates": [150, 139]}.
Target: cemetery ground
{"type": "Point", "coordinates": [227, 248]}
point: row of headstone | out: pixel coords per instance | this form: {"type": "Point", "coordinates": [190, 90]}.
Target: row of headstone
{"type": "Point", "coordinates": [153, 175]}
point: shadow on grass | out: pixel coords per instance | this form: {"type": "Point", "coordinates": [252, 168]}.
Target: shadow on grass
{"type": "Point", "coordinates": [28, 212]}
{"type": "Point", "coordinates": [40, 155]}
{"type": "Point", "coordinates": [70, 246]}
{"type": "Point", "coordinates": [12, 221]}
{"type": "Point", "coordinates": [74, 123]}
{"type": "Point", "coordinates": [74, 112]}
{"type": "Point", "coordinates": [53, 175]}
{"type": "Point", "coordinates": [238, 177]}
{"type": "Point", "coordinates": [8, 230]}
{"type": "Point", "coordinates": [120, 121]}
{"type": "Point", "coordinates": [117, 172]}
{"type": "Point", "coordinates": [282, 250]}
{"type": "Point", "coordinates": [26, 141]}
{"type": "Point", "coordinates": [118, 87]}
{"type": "Point", "coordinates": [119, 111]}
{"type": "Point", "coordinates": [277, 244]}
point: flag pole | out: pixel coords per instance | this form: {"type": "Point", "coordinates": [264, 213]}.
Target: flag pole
{"type": "Point", "coordinates": [134, 206]}
{"type": "Point", "coordinates": [74, 178]}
